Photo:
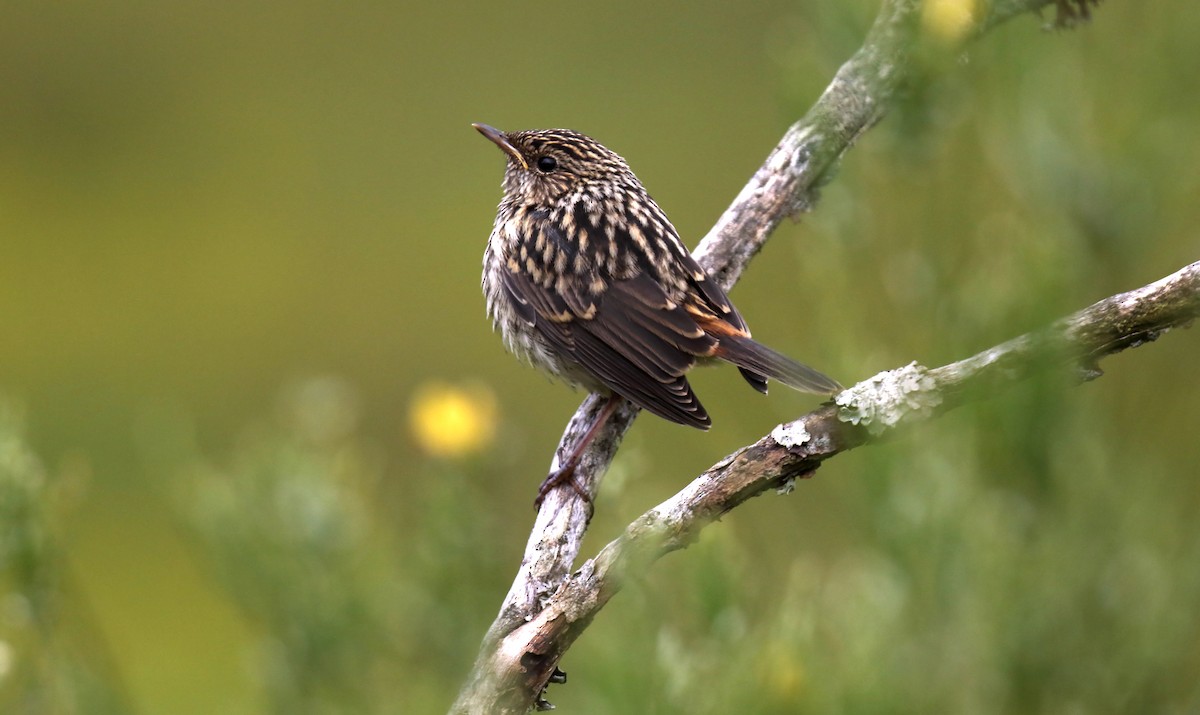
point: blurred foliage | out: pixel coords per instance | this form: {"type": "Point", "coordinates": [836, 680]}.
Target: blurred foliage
{"type": "Point", "coordinates": [49, 661]}
{"type": "Point", "coordinates": [271, 459]}
{"type": "Point", "coordinates": [288, 524]}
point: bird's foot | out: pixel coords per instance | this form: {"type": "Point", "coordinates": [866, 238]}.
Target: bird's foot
{"type": "Point", "coordinates": [564, 475]}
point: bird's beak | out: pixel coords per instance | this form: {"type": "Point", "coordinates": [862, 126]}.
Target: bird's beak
{"type": "Point", "coordinates": [500, 139]}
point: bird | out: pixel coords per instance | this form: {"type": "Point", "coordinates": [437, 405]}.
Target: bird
{"type": "Point", "coordinates": [585, 277]}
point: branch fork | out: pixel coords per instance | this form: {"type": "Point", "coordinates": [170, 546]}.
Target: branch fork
{"type": "Point", "coordinates": [549, 605]}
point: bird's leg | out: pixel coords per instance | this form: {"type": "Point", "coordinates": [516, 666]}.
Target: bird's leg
{"type": "Point", "coordinates": [565, 474]}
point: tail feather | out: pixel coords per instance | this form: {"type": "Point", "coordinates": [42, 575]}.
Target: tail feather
{"type": "Point", "coordinates": [757, 361]}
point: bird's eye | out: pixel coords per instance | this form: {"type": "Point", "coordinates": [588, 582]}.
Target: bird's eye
{"type": "Point", "coordinates": [546, 164]}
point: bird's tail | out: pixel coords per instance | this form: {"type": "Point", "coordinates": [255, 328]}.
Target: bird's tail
{"type": "Point", "coordinates": [758, 361]}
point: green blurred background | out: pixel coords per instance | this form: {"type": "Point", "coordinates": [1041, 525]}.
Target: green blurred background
{"type": "Point", "coordinates": [260, 452]}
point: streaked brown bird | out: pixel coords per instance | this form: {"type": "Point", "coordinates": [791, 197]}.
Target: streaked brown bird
{"type": "Point", "coordinates": [586, 278]}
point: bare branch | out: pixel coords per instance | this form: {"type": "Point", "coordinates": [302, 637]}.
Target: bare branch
{"type": "Point", "coordinates": [787, 184]}
{"type": "Point", "coordinates": [861, 414]}
{"type": "Point", "coordinates": [882, 403]}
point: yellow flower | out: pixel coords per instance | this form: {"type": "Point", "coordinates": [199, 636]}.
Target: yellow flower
{"type": "Point", "coordinates": [950, 20]}
{"type": "Point", "coordinates": [452, 420]}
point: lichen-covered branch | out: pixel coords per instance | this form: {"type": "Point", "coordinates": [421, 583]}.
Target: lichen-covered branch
{"type": "Point", "coordinates": [787, 184]}
{"type": "Point", "coordinates": [885, 402]}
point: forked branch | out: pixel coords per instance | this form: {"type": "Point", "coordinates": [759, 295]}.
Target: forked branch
{"type": "Point", "coordinates": [548, 606]}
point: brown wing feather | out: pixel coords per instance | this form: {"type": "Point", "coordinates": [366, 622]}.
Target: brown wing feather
{"type": "Point", "coordinates": [630, 345]}
{"type": "Point", "coordinates": [627, 332]}
{"type": "Point", "coordinates": [710, 296]}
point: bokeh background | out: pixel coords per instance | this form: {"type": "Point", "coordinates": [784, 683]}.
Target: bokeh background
{"type": "Point", "coordinates": [260, 452]}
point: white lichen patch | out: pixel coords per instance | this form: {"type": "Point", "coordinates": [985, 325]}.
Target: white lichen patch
{"type": "Point", "coordinates": [881, 402]}
{"type": "Point", "coordinates": [792, 434]}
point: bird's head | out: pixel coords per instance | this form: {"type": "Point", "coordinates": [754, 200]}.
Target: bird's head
{"type": "Point", "coordinates": [546, 166]}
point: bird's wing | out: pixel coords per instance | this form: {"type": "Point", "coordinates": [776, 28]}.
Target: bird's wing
{"type": "Point", "coordinates": [713, 310]}
{"type": "Point", "coordinates": [627, 333]}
